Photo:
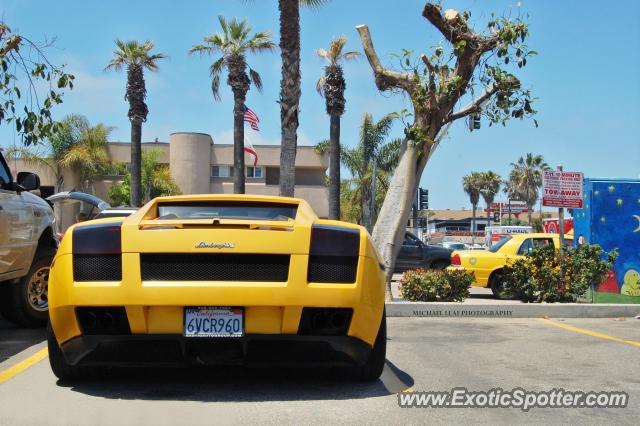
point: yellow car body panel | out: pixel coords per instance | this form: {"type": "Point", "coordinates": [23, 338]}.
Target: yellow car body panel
{"type": "Point", "coordinates": [270, 308]}
{"type": "Point", "coordinates": [483, 263]}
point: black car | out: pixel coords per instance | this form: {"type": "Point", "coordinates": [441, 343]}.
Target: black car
{"type": "Point", "coordinates": [415, 254]}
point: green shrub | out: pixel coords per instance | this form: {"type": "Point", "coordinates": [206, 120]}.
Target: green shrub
{"type": "Point", "coordinates": [538, 276]}
{"type": "Point", "coordinates": [436, 285]}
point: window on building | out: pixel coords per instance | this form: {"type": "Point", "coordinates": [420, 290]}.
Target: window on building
{"type": "Point", "coordinates": [222, 171]}
{"type": "Point", "coordinates": [254, 172]}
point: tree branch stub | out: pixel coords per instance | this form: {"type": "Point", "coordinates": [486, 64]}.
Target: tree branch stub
{"type": "Point", "coordinates": [385, 78]}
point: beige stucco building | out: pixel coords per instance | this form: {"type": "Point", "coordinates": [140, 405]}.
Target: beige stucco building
{"type": "Point", "coordinates": [200, 166]}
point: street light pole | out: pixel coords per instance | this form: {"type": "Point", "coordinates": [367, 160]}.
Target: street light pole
{"type": "Point", "coordinates": [373, 189]}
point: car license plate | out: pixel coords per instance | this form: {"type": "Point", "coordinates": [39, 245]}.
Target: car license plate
{"type": "Point", "coordinates": [213, 321]}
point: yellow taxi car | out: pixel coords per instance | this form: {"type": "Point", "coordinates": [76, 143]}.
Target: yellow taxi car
{"type": "Point", "coordinates": [487, 265]}
{"type": "Point", "coordinates": [217, 280]}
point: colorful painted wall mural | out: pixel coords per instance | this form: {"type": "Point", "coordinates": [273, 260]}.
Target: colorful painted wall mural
{"type": "Point", "coordinates": [611, 218]}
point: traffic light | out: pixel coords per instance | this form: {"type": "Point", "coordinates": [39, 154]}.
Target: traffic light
{"type": "Point", "coordinates": [474, 121]}
{"type": "Point", "coordinates": [423, 199]}
{"type": "Point", "coordinates": [496, 216]}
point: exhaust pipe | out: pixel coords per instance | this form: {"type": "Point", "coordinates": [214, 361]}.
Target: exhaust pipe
{"type": "Point", "coordinates": [107, 320]}
{"type": "Point", "coordinates": [88, 320]}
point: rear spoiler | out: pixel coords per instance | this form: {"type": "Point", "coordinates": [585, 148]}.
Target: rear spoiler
{"type": "Point", "coordinates": [202, 223]}
{"type": "Point", "coordinates": [147, 216]}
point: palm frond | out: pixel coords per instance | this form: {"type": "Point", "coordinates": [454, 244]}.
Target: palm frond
{"type": "Point", "coordinates": [322, 53]}
{"type": "Point", "coordinates": [133, 52]}
{"type": "Point", "coordinates": [320, 85]}
{"type": "Point", "coordinates": [255, 79]}
{"type": "Point", "coordinates": [313, 3]}
{"type": "Point", "coordinates": [335, 49]}
{"type": "Point", "coordinates": [322, 147]}
{"type": "Point", "coordinates": [261, 41]}
{"type": "Point", "coordinates": [351, 55]}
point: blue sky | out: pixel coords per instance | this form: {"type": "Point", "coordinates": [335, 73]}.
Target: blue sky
{"type": "Point", "coordinates": [586, 77]}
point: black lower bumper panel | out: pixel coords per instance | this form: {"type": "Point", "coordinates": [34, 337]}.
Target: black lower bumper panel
{"type": "Point", "coordinates": [280, 350]}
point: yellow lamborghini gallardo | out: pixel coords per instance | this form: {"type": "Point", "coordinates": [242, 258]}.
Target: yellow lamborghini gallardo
{"type": "Point", "coordinates": [217, 280]}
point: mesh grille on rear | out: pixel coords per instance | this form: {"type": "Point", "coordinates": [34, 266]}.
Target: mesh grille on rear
{"type": "Point", "coordinates": [332, 269]}
{"type": "Point", "coordinates": [101, 267]}
{"type": "Point", "coordinates": [214, 267]}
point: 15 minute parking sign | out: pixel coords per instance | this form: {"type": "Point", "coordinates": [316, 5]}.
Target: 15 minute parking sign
{"type": "Point", "coordinates": [562, 189]}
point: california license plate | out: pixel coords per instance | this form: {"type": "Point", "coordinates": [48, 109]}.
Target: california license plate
{"type": "Point", "coordinates": [213, 321]}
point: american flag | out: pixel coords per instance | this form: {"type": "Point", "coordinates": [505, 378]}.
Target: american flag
{"type": "Point", "coordinates": [251, 118]}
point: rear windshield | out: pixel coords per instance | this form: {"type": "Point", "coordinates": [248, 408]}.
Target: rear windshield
{"type": "Point", "coordinates": [227, 210]}
{"type": "Point", "coordinates": [497, 246]}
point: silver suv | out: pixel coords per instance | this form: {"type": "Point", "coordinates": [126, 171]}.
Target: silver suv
{"type": "Point", "coordinates": [27, 247]}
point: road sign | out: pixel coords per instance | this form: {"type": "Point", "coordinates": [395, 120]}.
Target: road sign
{"type": "Point", "coordinates": [514, 206]}
{"type": "Point", "coordinates": [562, 189]}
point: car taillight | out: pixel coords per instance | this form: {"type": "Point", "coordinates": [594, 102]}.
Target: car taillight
{"type": "Point", "coordinates": [455, 260]}
{"type": "Point", "coordinates": [333, 255]}
{"type": "Point", "coordinates": [97, 252]}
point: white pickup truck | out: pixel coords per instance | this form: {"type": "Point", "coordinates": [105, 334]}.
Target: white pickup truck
{"type": "Point", "coordinates": [27, 247]}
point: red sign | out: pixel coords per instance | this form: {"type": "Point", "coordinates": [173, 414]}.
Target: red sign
{"type": "Point", "coordinates": [562, 189]}
{"type": "Point", "coordinates": [551, 225]}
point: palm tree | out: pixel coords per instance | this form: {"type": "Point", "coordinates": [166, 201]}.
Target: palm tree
{"type": "Point", "coordinates": [66, 136]}
{"type": "Point", "coordinates": [491, 183]}
{"type": "Point", "coordinates": [331, 86]}
{"type": "Point", "coordinates": [233, 44]}
{"type": "Point", "coordinates": [156, 180]}
{"type": "Point", "coordinates": [136, 57]}
{"type": "Point", "coordinates": [89, 156]}
{"type": "Point", "coordinates": [290, 88]}
{"type": "Point", "coordinates": [372, 148]}
{"type": "Point", "coordinates": [472, 184]}
{"type": "Point", "coordinates": [526, 179]}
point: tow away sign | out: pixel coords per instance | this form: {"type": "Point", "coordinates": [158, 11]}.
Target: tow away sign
{"type": "Point", "coordinates": [562, 189]}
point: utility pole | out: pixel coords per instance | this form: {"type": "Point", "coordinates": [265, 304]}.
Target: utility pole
{"type": "Point", "coordinates": [561, 248]}
{"type": "Point", "coordinates": [373, 188]}
{"type": "Point", "coordinates": [416, 205]}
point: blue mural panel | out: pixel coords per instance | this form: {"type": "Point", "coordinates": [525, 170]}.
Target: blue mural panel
{"type": "Point", "coordinates": [610, 217]}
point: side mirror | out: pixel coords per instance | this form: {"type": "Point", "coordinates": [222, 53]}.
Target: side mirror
{"type": "Point", "coordinates": [28, 181]}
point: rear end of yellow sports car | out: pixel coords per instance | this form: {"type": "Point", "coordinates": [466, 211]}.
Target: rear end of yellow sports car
{"type": "Point", "coordinates": [217, 280]}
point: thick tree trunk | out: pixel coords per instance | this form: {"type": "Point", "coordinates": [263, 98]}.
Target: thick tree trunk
{"type": "Point", "coordinates": [334, 168]}
{"type": "Point", "coordinates": [389, 230]}
{"type": "Point", "coordinates": [136, 164]}
{"type": "Point", "coordinates": [289, 92]}
{"type": "Point", "coordinates": [238, 143]}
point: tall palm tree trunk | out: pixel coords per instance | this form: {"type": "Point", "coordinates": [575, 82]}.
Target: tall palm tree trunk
{"type": "Point", "coordinates": [136, 164]}
{"type": "Point", "coordinates": [289, 92]}
{"type": "Point", "coordinates": [334, 168]}
{"type": "Point", "coordinates": [473, 223]}
{"type": "Point", "coordinates": [238, 143]}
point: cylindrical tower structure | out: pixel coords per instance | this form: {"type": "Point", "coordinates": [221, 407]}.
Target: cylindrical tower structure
{"type": "Point", "coordinates": [190, 161]}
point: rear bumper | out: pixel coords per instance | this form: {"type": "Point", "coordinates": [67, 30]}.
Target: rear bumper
{"type": "Point", "coordinates": [481, 278]}
{"type": "Point", "coordinates": [273, 308]}
{"type": "Point", "coordinates": [159, 350]}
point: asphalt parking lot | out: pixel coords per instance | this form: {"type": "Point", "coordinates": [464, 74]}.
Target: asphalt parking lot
{"type": "Point", "coordinates": [423, 354]}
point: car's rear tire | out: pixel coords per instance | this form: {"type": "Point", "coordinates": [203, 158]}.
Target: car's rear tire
{"type": "Point", "coordinates": [27, 302]}
{"type": "Point", "coordinates": [440, 264]}
{"type": "Point", "coordinates": [372, 369]}
{"type": "Point", "coordinates": [61, 369]}
{"type": "Point", "coordinates": [497, 285]}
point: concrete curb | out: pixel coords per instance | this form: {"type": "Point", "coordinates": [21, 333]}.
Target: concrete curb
{"type": "Point", "coordinates": [519, 310]}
